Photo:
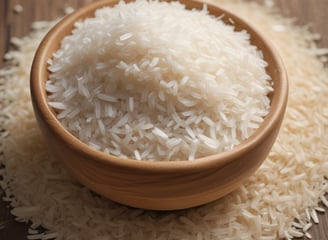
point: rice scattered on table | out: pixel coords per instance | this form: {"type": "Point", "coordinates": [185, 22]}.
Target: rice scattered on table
{"type": "Point", "coordinates": [279, 200]}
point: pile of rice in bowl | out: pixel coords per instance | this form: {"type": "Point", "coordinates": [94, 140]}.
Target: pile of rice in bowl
{"type": "Point", "coordinates": [281, 200]}
{"type": "Point", "coordinates": [153, 80]}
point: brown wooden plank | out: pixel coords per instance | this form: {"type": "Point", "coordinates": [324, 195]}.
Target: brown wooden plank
{"type": "Point", "coordinates": [305, 12]}
{"type": "Point", "coordinates": [14, 24]}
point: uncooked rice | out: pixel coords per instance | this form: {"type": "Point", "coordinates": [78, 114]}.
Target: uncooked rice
{"type": "Point", "coordinates": [151, 63]}
{"type": "Point", "coordinates": [270, 205]}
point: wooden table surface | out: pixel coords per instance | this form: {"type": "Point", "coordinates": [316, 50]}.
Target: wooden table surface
{"type": "Point", "coordinates": [18, 24]}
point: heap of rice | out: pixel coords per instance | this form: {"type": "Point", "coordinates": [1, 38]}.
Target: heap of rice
{"type": "Point", "coordinates": [279, 201]}
{"type": "Point", "coordinates": [152, 80]}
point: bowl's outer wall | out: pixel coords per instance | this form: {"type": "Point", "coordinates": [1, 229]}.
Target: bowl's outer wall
{"type": "Point", "coordinates": [164, 191]}
{"type": "Point", "coordinates": [154, 187]}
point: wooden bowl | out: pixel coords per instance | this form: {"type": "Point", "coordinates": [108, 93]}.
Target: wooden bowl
{"type": "Point", "coordinates": [163, 185]}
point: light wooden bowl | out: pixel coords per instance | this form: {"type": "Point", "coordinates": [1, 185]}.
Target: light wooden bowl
{"type": "Point", "coordinates": [157, 185]}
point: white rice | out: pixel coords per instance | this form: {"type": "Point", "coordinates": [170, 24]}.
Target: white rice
{"type": "Point", "coordinates": [18, 8]}
{"type": "Point", "coordinates": [267, 206]}
{"type": "Point", "coordinates": [185, 73]}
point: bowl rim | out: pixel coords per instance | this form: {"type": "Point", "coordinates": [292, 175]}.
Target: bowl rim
{"type": "Point", "coordinates": [40, 102]}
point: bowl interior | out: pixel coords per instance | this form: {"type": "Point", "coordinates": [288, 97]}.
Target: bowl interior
{"type": "Point", "coordinates": [51, 43]}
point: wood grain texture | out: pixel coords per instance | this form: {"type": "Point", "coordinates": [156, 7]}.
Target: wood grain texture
{"type": "Point", "coordinates": [312, 12]}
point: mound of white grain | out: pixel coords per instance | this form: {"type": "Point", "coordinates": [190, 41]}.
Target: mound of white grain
{"type": "Point", "coordinates": [152, 80]}
{"type": "Point", "coordinates": [278, 202]}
